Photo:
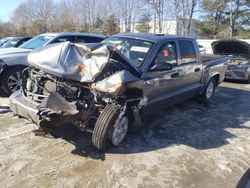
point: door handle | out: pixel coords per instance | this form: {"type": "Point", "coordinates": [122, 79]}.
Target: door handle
{"type": "Point", "coordinates": [197, 70]}
{"type": "Point", "coordinates": [175, 75]}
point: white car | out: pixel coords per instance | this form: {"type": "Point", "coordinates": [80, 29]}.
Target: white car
{"type": "Point", "coordinates": [14, 60]}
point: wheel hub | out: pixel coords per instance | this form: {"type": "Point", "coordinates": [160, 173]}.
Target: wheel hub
{"type": "Point", "coordinates": [210, 90]}
{"type": "Point", "coordinates": [14, 81]}
{"type": "Point", "coordinates": [120, 130]}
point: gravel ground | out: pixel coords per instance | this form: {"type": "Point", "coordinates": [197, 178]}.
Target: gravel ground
{"type": "Point", "coordinates": [187, 145]}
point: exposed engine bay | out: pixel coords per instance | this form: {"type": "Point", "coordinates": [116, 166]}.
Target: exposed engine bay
{"type": "Point", "coordinates": [238, 55]}
{"type": "Point", "coordinates": [56, 95]}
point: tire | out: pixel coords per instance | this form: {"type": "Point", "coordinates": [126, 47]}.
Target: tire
{"type": "Point", "coordinates": [11, 79]}
{"type": "Point", "coordinates": [208, 92]}
{"type": "Point", "coordinates": [106, 127]}
{"type": "Point", "coordinates": [248, 81]}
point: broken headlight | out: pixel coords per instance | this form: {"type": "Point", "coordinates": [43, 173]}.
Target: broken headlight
{"type": "Point", "coordinates": [111, 84]}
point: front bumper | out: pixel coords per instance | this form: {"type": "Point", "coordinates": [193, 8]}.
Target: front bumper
{"type": "Point", "coordinates": [58, 111]}
{"type": "Point", "coordinates": [22, 106]}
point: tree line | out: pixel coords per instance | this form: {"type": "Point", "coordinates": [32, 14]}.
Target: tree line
{"type": "Point", "coordinates": [210, 18]}
{"type": "Point", "coordinates": [224, 19]}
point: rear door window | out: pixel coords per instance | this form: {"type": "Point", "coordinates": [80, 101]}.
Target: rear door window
{"type": "Point", "coordinates": [64, 39]}
{"type": "Point", "coordinates": [187, 52]}
{"type": "Point", "coordinates": [88, 39]}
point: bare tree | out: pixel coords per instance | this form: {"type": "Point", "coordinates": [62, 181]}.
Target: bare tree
{"type": "Point", "coordinates": [6, 29]}
{"type": "Point", "coordinates": [190, 15]}
{"type": "Point", "coordinates": [184, 11]}
{"type": "Point", "coordinates": [128, 11]}
{"type": "Point", "coordinates": [37, 14]}
{"type": "Point", "coordinates": [233, 14]}
{"type": "Point", "coordinates": [157, 7]}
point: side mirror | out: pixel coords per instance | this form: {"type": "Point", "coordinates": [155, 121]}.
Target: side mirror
{"type": "Point", "coordinates": [162, 66]}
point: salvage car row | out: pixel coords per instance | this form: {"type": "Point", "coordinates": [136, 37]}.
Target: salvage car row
{"type": "Point", "coordinates": [107, 87]}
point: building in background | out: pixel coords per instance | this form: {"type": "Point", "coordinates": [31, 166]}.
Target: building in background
{"type": "Point", "coordinates": [169, 26]}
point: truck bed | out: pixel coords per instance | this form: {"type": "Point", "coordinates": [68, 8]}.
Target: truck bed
{"type": "Point", "coordinates": [205, 58]}
{"type": "Point", "coordinates": [212, 65]}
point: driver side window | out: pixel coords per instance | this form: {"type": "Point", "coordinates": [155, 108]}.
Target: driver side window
{"type": "Point", "coordinates": [167, 54]}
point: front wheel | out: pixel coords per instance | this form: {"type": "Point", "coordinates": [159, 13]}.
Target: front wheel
{"type": "Point", "coordinates": [111, 127]}
{"type": "Point", "coordinates": [208, 91]}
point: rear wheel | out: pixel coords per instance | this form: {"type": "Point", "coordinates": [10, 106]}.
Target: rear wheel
{"type": "Point", "coordinates": [111, 127]}
{"type": "Point", "coordinates": [208, 92]}
{"type": "Point", "coordinates": [11, 79]}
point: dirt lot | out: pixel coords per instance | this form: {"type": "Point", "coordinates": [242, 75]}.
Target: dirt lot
{"type": "Point", "coordinates": [187, 145]}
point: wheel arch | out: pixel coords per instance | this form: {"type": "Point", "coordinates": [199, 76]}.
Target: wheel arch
{"type": "Point", "coordinates": [216, 76]}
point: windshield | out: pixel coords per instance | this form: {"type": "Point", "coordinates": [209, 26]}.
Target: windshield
{"type": "Point", "coordinates": [36, 42]}
{"type": "Point", "coordinates": [134, 49]}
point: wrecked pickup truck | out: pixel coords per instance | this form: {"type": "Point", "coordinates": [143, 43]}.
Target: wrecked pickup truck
{"type": "Point", "coordinates": [106, 88]}
{"type": "Point", "coordinates": [238, 54]}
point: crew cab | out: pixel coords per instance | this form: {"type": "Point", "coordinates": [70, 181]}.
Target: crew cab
{"type": "Point", "coordinates": [14, 60]}
{"type": "Point", "coordinates": [107, 88]}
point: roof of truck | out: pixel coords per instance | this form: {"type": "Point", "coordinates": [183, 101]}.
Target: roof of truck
{"type": "Point", "coordinates": [74, 33]}
{"type": "Point", "coordinates": [149, 36]}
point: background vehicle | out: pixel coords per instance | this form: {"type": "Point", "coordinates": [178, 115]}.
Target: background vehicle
{"type": "Point", "coordinates": [202, 49]}
{"type": "Point", "coordinates": [14, 60]}
{"type": "Point", "coordinates": [15, 42]}
{"type": "Point", "coordinates": [238, 54]}
{"type": "Point", "coordinates": [3, 40]}
{"type": "Point", "coordinates": [118, 82]}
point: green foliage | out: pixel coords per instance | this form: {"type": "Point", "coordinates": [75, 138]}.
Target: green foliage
{"type": "Point", "coordinates": [143, 24]}
{"type": "Point", "coordinates": [224, 18]}
{"type": "Point", "coordinates": [111, 26]}
{"type": "Point", "coordinates": [244, 34]}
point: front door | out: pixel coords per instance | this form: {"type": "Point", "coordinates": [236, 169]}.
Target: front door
{"type": "Point", "coordinates": [160, 87]}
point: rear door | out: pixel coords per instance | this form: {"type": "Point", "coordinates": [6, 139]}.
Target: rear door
{"type": "Point", "coordinates": [191, 66]}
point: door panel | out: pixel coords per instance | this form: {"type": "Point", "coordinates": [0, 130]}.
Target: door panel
{"type": "Point", "coordinates": [191, 66]}
{"type": "Point", "coordinates": [164, 88]}
{"type": "Point", "coordinates": [159, 85]}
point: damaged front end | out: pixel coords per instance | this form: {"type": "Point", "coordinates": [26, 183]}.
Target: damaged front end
{"type": "Point", "coordinates": [72, 83]}
{"type": "Point", "coordinates": [238, 55]}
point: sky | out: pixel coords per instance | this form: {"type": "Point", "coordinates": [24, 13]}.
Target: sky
{"type": "Point", "coordinates": [7, 8]}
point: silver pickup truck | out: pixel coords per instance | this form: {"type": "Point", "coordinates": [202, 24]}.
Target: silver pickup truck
{"type": "Point", "coordinates": [106, 88]}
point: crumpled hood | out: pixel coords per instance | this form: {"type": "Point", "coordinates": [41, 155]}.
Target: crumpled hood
{"type": "Point", "coordinates": [71, 61]}
{"type": "Point", "coordinates": [231, 47]}
{"type": "Point", "coordinates": [11, 51]}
